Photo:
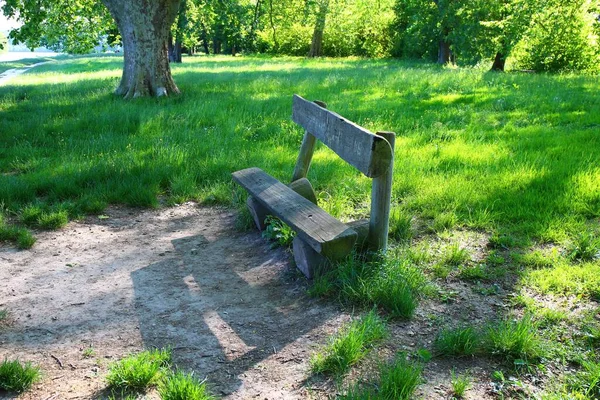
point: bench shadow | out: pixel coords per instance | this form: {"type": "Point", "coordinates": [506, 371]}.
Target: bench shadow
{"type": "Point", "coordinates": [225, 304]}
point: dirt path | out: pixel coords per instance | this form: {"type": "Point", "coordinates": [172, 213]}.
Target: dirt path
{"type": "Point", "coordinates": [11, 73]}
{"type": "Point", "coordinates": [232, 309]}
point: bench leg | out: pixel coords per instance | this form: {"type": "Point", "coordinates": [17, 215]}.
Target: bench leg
{"type": "Point", "coordinates": [307, 259]}
{"type": "Point", "coordinates": [259, 213]}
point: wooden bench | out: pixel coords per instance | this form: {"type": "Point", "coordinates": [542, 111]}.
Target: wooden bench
{"type": "Point", "coordinates": [322, 238]}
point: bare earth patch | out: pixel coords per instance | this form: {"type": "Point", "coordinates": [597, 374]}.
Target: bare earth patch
{"type": "Point", "coordinates": [232, 309]}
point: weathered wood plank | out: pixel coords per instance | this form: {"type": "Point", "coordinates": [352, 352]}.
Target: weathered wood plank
{"type": "Point", "coordinates": [321, 231]}
{"type": "Point", "coordinates": [381, 196]}
{"type": "Point", "coordinates": [306, 152]}
{"type": "Point", "coordinates": [369, 153]}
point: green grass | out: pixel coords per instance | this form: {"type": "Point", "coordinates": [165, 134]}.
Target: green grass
{"type": "Point", "coordinates": [460, 385]}
{"type": "Point", "coordinates": [140, 371]}
{"type": "Point", "coordinates": [396, 381]}
{"type": "Point", "coordinates": [16, 376]}
{"type": "Point", "coordinates": [182, 386]}
{"type": "Point", "coordinates": [461, 341]}
{"type": "Point", "coordinates": [350, 345]}
{"type": "Point", "coordinates": [6, 65]}
{"type": "Point", "coordinates": [474, 149]}
{"type": "Point", "coordinates": [515, 340]}
{"type": "Point", "coordinates": [582, 279]}
{"type": "Point", "coordinates": [390, 282]}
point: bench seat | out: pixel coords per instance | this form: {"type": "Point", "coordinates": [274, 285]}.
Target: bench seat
{"type": "Point", "coordinates": [324, 233]}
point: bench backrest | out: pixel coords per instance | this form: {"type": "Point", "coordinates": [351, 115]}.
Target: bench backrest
{"type": "Point", "coordinates": [369, 153]}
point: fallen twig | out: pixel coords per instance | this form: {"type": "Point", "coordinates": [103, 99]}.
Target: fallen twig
{"type": "Point", "coordinates": [57, 360]}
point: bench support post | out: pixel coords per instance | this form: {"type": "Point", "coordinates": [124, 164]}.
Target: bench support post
{"type": "Point", "coordinates": [307, 259]}
{"type": "Point", "coordinates": [381, 197]}
{"type": "Point", "coordinates": [306, 152]}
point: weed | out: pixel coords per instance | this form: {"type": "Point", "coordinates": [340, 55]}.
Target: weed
{"type": "Point", "coordinates": [182, 386]}
{"type": "Point", "coordinates": [455, 256]}
{"type": "Point", "coordinates": [139, 371]}
{"type": "Point", "coordinates": [473, 272]}
{"type": "Point", "coordinates": [53, 220]}
{"type": "Point", "coordinates": [444, 222]}
{"type": "Point", "coordinates": [501, 241]}
{"type": "Point", "coordinates": [461, 341]}
{"type": "Point", "coordinates": [389, 282]}
{"type": "Point", "coordinates": [399, 380]}
{"type": "Point", "coordinates": [17, 377]}
{"type": "Point", "coordinates": [88, 352]}
{"type": "Point", "coordinates": [494, 258]}
{"type": "Point", "coordinates": [514, 340]}
{"type": "Point", "coordinates": [350, 345]}
{"type": "Point", "coordinates": [401, 225]}
{"type": "Point", "coordinates": [278, 232]}
{"type": "Point", "coordinates": [460, 385]}
{"type": "Point", "coordinates": [585, 247]}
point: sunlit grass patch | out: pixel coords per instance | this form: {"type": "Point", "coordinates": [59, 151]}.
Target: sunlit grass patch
{"type": "Point", "coordinates": [582, 279]}
{"type": "Point", "coordinates": [140, 371]}
{"type": "Point", "coordinates": [182, 386]}
{"type": "Point", "coordinates": [16, 376]}
{"type": "Point", "coordinates": [349, 345]}
{"type": "Point", "coordinates": [514, 340]}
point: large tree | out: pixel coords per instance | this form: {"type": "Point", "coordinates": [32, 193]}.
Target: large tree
{"type": "Point", "coordinates": [144, 27]}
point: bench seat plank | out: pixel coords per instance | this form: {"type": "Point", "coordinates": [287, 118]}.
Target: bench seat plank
{"type": "Point", "coordinates": [321, 231]}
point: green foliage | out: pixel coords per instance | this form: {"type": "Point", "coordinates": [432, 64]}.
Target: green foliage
{"type": "Point", "coordinates": [581, 279]}
{"type": "Point", "coordinates": [278, 232]}
{"type": "Point", "coordinates": [21, 236]}
{"type": "Point", "coordinates": [391, 283]}
{"type": "Point", "coordinates": [182, 386]}
{"type": "Point", "coordinates": [460, 385]}
{"type": "Point", "coordinates": [461, 341]}
{"type": "Point", "coordinates": [140, 371]}
{"type": "Point", "coordinates": [17, 377]}
{"type": "Point", "coordinates": [350, 345]}
{"type": "Point", "coordinates": [585, 247]}
{"type": "Point", "coordinates": [514, 340]}
{"type": "Point", "coordinates": [401, 225]}
{"type": "Point", "coordinates": [560, 38]}
{"type": "Point", "coordinates": [455, 256]}
{"type": "Point", "coordinates": [396, 381]}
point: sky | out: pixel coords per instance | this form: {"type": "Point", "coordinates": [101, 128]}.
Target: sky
{"type": "Point", "coordinates": [6, 25]}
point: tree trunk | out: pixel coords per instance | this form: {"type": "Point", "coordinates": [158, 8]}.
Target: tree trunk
{"type": "Point", "coordinates": [144, 27]}
{"type": "Point", "coordinates": [499, 62]}
{"type": "Point", "coordinates": [445, 55]}
{"type": "Point", "coordinates": [316, 46]}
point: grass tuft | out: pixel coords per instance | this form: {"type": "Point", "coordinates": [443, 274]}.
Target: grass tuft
{"type": "Point", "coordinates": [461, 341]}
{"type": "Point", "coordinates": [401, 228]}
{"type": "Point", "coordinates": [585, 247]}
{"type": "Point", "coordinates": [514, 340]}
{"type": "Point", "coordinates": [460, 385]}
{"type": "Point", "coordinates": [399, 380]}
{"type": "Point", "coordinates": [350, 345]}
{"type": "Point", "coordinates": [182, 386]}
{"type": "Point", "coordinates": [17, 377]}
{"type": "Point", "coordinates": [140, 371]}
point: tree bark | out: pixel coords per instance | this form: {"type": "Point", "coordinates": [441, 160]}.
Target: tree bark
{"type": "Point", "coordinates": [445, 55]}
{"type": "Point", "coordinates": [499, 62]}
{"type": "Point", "coordinates": [144, 26]}
{"type": "Point", "coordinates": [316, 46]}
